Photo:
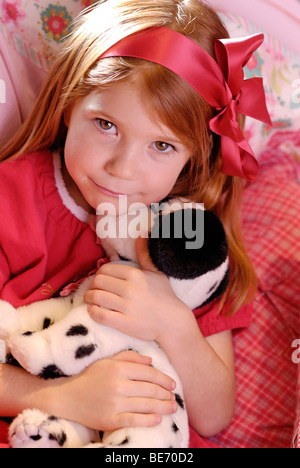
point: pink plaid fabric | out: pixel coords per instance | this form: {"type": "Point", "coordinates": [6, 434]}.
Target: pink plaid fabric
{"type": "Point", "coordinates": [266, 376]}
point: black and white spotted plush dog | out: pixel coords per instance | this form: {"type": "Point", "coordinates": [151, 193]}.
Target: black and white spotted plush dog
{"type": "Point", "coordinates": [57, 337]}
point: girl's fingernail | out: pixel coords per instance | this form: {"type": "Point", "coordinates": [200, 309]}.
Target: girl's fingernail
{"type": "Point", "coordinates": [174, 407]}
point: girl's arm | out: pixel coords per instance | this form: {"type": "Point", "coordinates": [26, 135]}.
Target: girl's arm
{"type": "Point", "coordinates": [206, 368]}
{"type": "Point", "coordinates": [113, 393]}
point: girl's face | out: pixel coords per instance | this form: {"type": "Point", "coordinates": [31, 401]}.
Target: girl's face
{"type": "Point", "coordinates": [115, 147]}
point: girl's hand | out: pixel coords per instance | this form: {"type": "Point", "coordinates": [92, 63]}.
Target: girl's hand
{"type": "Point", "coordinates": [119, 392]}
{"type": "Point", "coordinates": [140, 303]}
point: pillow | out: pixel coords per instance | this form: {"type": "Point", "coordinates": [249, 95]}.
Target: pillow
{"type": "Point", "coordinates": [275, 17]}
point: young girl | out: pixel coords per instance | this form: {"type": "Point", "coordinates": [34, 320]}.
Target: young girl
{"type": "Point", "coordinates": [142, 103]}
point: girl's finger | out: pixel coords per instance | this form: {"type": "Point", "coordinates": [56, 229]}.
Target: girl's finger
{"type": "Point", "coordinates": [149, 374]}
{"type": "Point", "coordinates": [107, 317]}
{"type": "Point", "coordinates": [104, 299]}
{"type": "Point", "coordinates": [147, 390]}
{"type": "Point", "coordinates": [150, 406]}
{"type": "Point", "coordinates": [117, 271]}
{"type": "Point", "coordinates": [109, 283]}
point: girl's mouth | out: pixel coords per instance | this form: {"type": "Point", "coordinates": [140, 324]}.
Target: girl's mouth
{"type": "Point", "coordinates": [109, 193]}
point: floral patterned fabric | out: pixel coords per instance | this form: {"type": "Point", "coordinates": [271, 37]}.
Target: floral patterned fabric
{"type": "Point", "coordinates": [37, 28]}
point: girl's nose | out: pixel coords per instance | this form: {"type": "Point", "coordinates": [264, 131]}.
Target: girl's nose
{"type": "Point", "coordinates": [123, 163]}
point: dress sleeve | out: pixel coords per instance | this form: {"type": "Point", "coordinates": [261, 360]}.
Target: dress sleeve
{"type": "Point", "coordinates": [212, 321]}
{"type": "Point", "coordinates": [21, 222]}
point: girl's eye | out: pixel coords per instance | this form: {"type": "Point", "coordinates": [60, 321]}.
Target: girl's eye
{"type": "Point", "coordinates": [163, 147]}
{"type": "Point", "coordinates": [106, 126]}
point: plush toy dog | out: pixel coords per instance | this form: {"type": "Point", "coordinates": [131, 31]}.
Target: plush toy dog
{"type": "Point", "coordinates": [57, 338]}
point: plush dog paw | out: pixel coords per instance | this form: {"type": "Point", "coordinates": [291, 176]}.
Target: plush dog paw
{"type": "Point", "coordinates": [9, 320]}
{"type": "Point", "coordinates": [35, 429]}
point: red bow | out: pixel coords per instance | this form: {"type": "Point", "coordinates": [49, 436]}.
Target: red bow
{"type": "Point", "coordinates": [221, 83]}
{"type": "Point", "coordinates": [246, 97]}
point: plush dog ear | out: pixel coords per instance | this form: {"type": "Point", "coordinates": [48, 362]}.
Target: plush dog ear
{"type": "Point", "coordinates": [171, 243]}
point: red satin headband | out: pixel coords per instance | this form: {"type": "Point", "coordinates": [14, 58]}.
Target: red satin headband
{"type": "Point", "coordinates": [221, 83]}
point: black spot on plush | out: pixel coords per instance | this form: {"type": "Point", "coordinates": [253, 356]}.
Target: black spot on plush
{"type": "Point", "coordinates": [179, 400]}
{"type": "Point", "coordinates": [77, 330]}
{"type": "Point", "coordinates": [60, 438]}
{"type": "Point", "coordinates": [52, 418]}
{"type": "Point", "coordinates": [9, 359]}
{"type": "Point", "coordinates": [47, 323]}
{"type": "Point", "coordinates": [175, 427]}
{"type": "Point", "coordinates": [84, 351]}
{"type": "Point", "coordinates": [220, 290]}
{"type": "Point", "coordinates": [51, 372]}
{"type": "Point", "coordinates": [125, 441]}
